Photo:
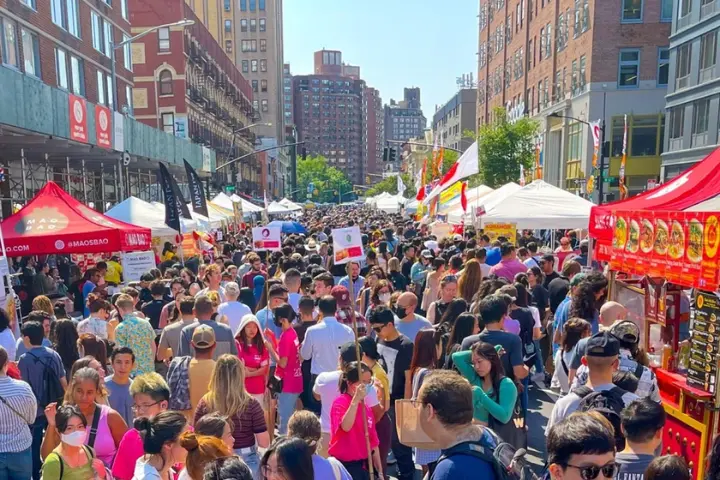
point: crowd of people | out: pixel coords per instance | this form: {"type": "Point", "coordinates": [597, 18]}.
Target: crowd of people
{"type": "Point", "coordinates": [287, 366]}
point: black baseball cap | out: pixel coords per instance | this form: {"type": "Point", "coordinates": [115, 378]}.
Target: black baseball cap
{"type": "Point", "coordinates": [348, 353]}
{"type": "Point", "coordinates": [602, 344]}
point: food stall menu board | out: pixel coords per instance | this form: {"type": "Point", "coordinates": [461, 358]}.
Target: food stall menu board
{"type": "Point", "coordinates": [681, 247]}
{"type": "Point", "coordinates": [705, 342]}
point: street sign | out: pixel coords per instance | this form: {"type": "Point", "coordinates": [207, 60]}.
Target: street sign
{"type": "Point", "coordinates": [229, 188]}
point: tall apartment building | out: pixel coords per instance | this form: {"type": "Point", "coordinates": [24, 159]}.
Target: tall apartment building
{"type": "Point", "coordinates": [455, 117]}
{"type": "Point", "coordinates": [404, 119]}
{"type": "Point", "coordinates": [565, 62]}
{"type": "Point", "coordinates": [375, 133]}
{"type": "Point", "coordinates": [287, 96]}
{"type": "Point", "coordinates": [218, 16]}
{"type": "Point", "coordinates": [259, 37]}
{"type": "Point", "coordinates": [693, 100]}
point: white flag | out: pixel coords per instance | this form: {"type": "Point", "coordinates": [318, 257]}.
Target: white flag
{"type": "Point", "coordinates": [522, 175]}
{"type": "Point", "coordinates": [400, 186]}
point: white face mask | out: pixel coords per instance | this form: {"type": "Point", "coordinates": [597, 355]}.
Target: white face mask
{"type": "Point", "coordinates": [75, 439]}
{"type": "Point", "coordinates": [385, 297]}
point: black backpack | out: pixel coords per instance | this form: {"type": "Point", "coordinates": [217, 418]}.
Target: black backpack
{"type": "Point", "coordinates": [51, 389]}
{"type": "Point", "coordinates": [507, 462]}
{"type": "Point", "coordinates": [609, 403]}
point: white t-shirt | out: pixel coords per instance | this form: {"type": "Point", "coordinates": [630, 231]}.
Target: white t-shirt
{"type": "Point", "coordinates": [485, 270]}
{"type": "Point", "coordinates": [536, 316]}
{"type": "Point", "coordinates": [326, 386]}
{"type": "Point", "coordinates": [7, 341]}
{"type": "Point", "coordinates": [560, 378]}
{"type": "Point", "coordinates": [234, 311]}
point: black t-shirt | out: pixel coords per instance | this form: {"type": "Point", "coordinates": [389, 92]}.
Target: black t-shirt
{"type": "Point", "coordinates": [301, 328]}
{"type": "Point", "coordinates": [549, 278]}
{"type": "Point", "coordinates": [396, 358]}
{"type": "Point", "coordinates": [152, 311]}
{"type": "Point", "coordinates": [406, 266]}
{"type": "Point", "coordinates": [540, 298]}
{"type": "Point", "coordinates": [557, 291]}
{"type": "Point", "coordinates": [527, 322]}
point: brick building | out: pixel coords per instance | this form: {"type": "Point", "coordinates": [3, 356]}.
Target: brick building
{"type": "Point", "coordinates": [583, 59]}
{"type": "Point", "coordinates": [187, 86]}
{"type": "Point", "coordinates": [375, 132]}
{"type": "Point", "coordinates": [403, 120]}
{"type": "Point", "coordinates": [218, 16]}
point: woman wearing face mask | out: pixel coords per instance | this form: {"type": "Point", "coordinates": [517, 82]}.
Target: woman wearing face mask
{"type": "Point", "coordinates": [72, 459]}
{"type": "Point", "coordinates": [380, 296]}
{"type": "Point", "coordinates": [161, 444]}
{"type": "Point", "coordinates": [108, 424]}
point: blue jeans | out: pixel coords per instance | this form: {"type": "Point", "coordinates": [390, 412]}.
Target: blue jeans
{"type": "Point", "coordinates": [38, 432]}
{"type": "Point", "coordinates": [286, 407]}
{"type": "Point", "coordinates": [524, 396]}
{"type": "Point", "coordinates": [251, 459]}
{"type": "Point", "coordinates": [16, 465]}
{"type": "Point", "coordinates": [539, 367]}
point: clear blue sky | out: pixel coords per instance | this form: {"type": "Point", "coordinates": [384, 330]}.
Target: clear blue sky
{"type": "Point", "coordinates": [396, 43]}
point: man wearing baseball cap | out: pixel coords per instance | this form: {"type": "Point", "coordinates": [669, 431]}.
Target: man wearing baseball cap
{"type": "Point", "coordinates": [601, 359]}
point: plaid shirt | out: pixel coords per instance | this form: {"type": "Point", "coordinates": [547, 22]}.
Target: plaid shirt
{"type": "Point", "coordinates": [178, 378]}
{"type": "Point", "coordinates": [647, 383]}
{"type": "Point", "coordinates": [343, 316]}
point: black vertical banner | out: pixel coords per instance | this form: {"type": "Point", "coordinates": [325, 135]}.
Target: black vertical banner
{"type": "Point", "coordinates": [172, 212]}
{"type": "Point", "coordinates": [197, 192]}
{"type": "Point", "coordinates": [182, 204]}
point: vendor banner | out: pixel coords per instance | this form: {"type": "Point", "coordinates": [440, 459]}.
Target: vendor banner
{"type": "Point", "coordinates": [347, 245]}
{"type": "Point", "coordinates": [135, 264]}
{"type": "Point", "coordinates": [267, 238]}
{"type": "Point", "coordinates": [681, 247]}
{"type": "Point", "coordinates": [452, 194]}
{"type": "Point", "coordinates": [495, 230]}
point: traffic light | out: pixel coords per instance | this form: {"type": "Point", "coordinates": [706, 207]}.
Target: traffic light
{"type": "Point", "coordinates": [392, 155]}
{"type": "Point", "coordinates": [386, 154]}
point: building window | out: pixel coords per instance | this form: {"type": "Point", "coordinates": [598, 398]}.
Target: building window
{"type": "Point", "coordinates": [581, 78]}
{"type": "Point", "coordinates": [56, 12]}
{"type": "Point", "coordinates": [263, 86]}
{"type": "Point", "coordinates": [256, 105]}
{"type": "Point", "coordinates": [253, 25]}
{"type": "Point", "coordinates": [97, 33]}
{"type": "Point", "coordinates": [632, 11]}
{"type": "Point", "coordinates": [576, 145]}
{"type": "Point", "coordinates": [245, 66]}
{"type": "Point", "coordinates": [663, 65]}
{"type": "Point", "coordinates": [127, 52]}
{"type": "Point", "coordinates": [701, 117]}
{"type": "Point", "coordinates": [61, 68]}
{"type": "Point", "coordinates": [263, 45]}
{"type": "Point", "coordinates": [228, 26]}
{"type": "Point", "coordinates": [263, 65]}
{"type": "Point", "coordinates": [684, 9]}
{"type": "Point", "coordinates": [255, 86]}
{"type": "Point", "coordinates": [77, 75]}
{"type": "Point", "coordinates": [708, 56]}
{"type": "Point", "coordinates": [629, 68]}
{"type": "Point", "coordinates": [31, 53]}
{"type": "Point", "coordinates": [264, 104]}
{"type": "Point", "coordinates": [253, 65]}
{"type": "Point", "coordinates": [252, 5]}
{"type": "Point", "coordinates": [574, 77]}
{"type": "Point", "coordinates": [124, 9]}
{"type": "Point", "coordinates": [168, 123]}
{"type": "Point", "coordinates": [164, 39]}
{"type": "Point", "coordinates": [644, 132]}
{"type": "Point", "coordinates": [542, 43]}
{"type": "Point", "coordinates": [109, 40]}
{"type": "Point", "coordinates": [666, 11]}
{"type": "Point", "coordinates": [29, 3]}
{"type": "Point", "coordinates": [261, 5]}
{"type": "Point", "coordinates": [226, 5]}
{"type": "Point", "coordinates": [586, 16]}
{"type": "Point", "coordinates": [548, 40]}
{"type": "Point", "coordinates": [228, 46]}
{"type": "Point", "coordinates": [166, 82]}
{"type": "Point", "coordinates": [128, 98]}
{"type": "Point", "coordinates": [243, 5]}
{"type": "Point", "coordinates": [243, 25]}
{"type": "Point", "coordinates": [262, 24]}
{"type": "Point", "coordinates": [9, 43]}
{"type": "Point", "coordinates": [682, 71]}
{"type": "Point", "coordinates": [110, 93]}
{"type": "Point", "coordinates": [677, 127]}
{"type": "Point", "coordinates": [100, 87]}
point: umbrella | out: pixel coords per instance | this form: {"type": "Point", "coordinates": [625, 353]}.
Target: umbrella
{"type": "Point", "coordinates": [288, 226]}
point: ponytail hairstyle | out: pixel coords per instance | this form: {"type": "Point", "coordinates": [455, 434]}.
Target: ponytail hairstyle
{"type": "Point", "coordinates": [350, 376]}
{"type": "Point", "coordinates": [283, 311]}
{"type": "Point", "coordinates": [165, 427]}
{"type": "Point", "coordinates": [202, 449]}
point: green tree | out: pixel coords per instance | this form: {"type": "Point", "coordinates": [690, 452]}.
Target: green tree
{"type": "Point", "coordinates": [389, 185]}
{"type": "Point", "coordinates": [326, 180]}
{"type": "Point", "coordinates": [502, 147]}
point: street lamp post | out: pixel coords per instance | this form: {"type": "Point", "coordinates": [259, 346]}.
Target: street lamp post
{"type": "Point", "coordinates": [113, 46]}
{"type": "Point", "coordinates": [601, 160]}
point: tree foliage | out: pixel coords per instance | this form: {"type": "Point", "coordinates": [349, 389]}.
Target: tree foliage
{"type": "Point", "coordinates": [389, 185]}
{"type": "Point", "coordinates": [326, 180]}
{"type": "Point", "coordinates": [502, 147]}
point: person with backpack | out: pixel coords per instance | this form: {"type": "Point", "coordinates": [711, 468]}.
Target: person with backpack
{"type": "Point", "coordinates": [642, 423]}
{"type": "Point", "coordinates": [72, 458]}
{"type": "Point", "coordinates": [599, 393]}
{"type": "Point", "coordinates": [575, 330]}
{"type": "Point", "coordinates": [581, 447]}
{"type": "Point", "coordinates": [446, 415]}
{"type": "Point", "coordinates": [42, 368]}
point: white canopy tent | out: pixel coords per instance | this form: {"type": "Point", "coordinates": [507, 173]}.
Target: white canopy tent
{"type": "Point", "coordinates": [709, 205]}
{"type": "Point", "coordinates": [454, 209]}
{"type": "Point", "coordinates": [539, 205]}
{"type": "Point", "coordinates": [223, 201]}
{"type": "Point", "coordinates": [390, 203]}
{"type": "Point", "coordinates": [290, 205]}
{"type": "Point", "coordinates": [143, 214]}
{"type": "Point", "coordinates": [276, 208]}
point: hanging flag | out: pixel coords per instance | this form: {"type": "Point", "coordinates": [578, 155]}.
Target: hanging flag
{"type": "Point", "coordinates": [421, 181]}
{"type": "Point", "coordinates": [465, 166]}
{"type": "Point", "coordinates": [522, 176]}
{"type": "Point", "coordinates": [463, 197]}
{"type": "Point", "coordinates": [621, 173]}
{"type": "Point", "coordinates": [172, 211]}
{"type": "Point", "coordinates": [400, 186]}
{"type": "Point", "coordinates": [595, 131]}
{"type": "Point", "coordinates": [439, 160]}
{"type": "Point", "coordinates": [197, 192]}
{"type": "Point", "coordinates": [539, 145]}
{"type": "Point", "coordinates": [266, 214]}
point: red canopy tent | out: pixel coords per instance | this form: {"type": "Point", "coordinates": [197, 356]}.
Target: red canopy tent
{"type": "Point", "coordinates": [697, 184]}
{"type": "Point", "coordinates": [54, 222]}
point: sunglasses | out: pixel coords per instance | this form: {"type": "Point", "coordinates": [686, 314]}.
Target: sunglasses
{"type": "Point", "coordinates": [591, 472]}
{"type": "Point", "coordinates": [378, 329]}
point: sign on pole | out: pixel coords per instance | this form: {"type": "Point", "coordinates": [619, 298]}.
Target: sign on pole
{"type": "Point", "coordinates": [267, 238]}
{"type": "Point", "coordinates": [135, 264]}
{"type": "Point", "coordinates": [495, 230]}
{"type": "Point", "coordinates": [347, 245]}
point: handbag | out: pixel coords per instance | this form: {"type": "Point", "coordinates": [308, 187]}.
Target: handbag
{"type": "Point", "coordinates": [512, 432]}
{"type": "Point", "coordinates": [274, 385]}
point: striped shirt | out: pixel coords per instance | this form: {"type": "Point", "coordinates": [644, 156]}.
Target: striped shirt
{"type": "Point", "coordinates": [14, 432]}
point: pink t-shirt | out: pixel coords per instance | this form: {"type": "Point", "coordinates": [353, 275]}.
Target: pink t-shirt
{"type": "Point", "coordinates": [129, 450]}
{"type": "Point", "coordinates": [350, 446]}
{"type": "Point", "coordinates": [249, 354]}
{"type": "Point", "coordinates": [291, 375]}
